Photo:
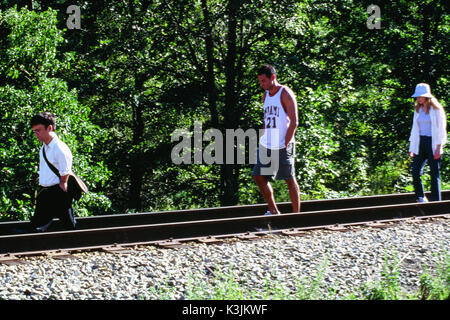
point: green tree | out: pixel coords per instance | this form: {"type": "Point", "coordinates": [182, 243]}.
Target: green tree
{"type": "Point", "coordinates": [28, 63]}
{"type": "Point", "coordinates": [138, 70]}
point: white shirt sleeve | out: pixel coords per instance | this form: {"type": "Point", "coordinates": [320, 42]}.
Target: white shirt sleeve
{"type": "Point", "coordinates": [63, 157]}
{"type": "Point", "coordinates": [441, 123]}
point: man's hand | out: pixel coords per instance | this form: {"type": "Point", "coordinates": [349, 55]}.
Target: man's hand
{"type": "Point", "coordinates": [63, 183]}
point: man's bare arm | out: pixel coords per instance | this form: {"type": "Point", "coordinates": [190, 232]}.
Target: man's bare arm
{"type": "Point", "coordinates": [289, 102]}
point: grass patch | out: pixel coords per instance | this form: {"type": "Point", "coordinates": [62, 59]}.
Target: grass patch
{"type": "Point", "coordinates": [226, 285]}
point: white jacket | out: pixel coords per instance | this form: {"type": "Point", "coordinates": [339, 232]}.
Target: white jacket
{"type": "Point", "coordinates": [438, 131]}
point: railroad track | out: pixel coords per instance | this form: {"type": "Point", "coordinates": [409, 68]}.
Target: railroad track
{"type": "Point", "coordinates": [116, 232]}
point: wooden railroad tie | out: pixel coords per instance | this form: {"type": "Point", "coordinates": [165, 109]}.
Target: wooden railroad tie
{"type": "Point", "coordinates": [338, 227]}
{"type": "Point", "coordinates": [377, 224]}
{"type": "Point", "coordinates": [168, 244]}
{"type": "Point", "coordinates": [116, 249]}
{"type": "Point", "coordinates": [10, 259]}
{"type": "Point", "coordinates": [248, 236]}
{"type": "Point", "coordinates": [210, 240]}
{"type": "Point", "coordinates": [60, 255]}
{"type": "Point", "coordinates": [293, 232]}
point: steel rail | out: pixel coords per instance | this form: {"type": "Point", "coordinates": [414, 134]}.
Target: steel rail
{"type": "Point", "coordinates": [131, 219]}
{"type": "Point", "coordinates": [180, 242]}
{"type": "Point", "coordinates": [203, 228]}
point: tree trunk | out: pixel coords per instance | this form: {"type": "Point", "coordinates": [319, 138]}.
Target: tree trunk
{"type": "Point", "coordinates": [230, 172]}
{"type": "Point", "coordinates": [137, 170]}
{"type": "Point", "coordinates": [210, 77]}
{"type": "Point", "coordinates": [137, 158]}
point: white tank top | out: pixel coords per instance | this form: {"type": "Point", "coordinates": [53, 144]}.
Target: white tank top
{"type": "Point", "coordinates": [276, 122]}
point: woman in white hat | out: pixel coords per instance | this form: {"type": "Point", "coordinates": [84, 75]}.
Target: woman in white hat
{"type": "Point", "coordinates": [428, 136]}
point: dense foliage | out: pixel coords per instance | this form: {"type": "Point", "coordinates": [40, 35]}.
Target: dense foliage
{"type": "Point", "coordinates": [138, 70]}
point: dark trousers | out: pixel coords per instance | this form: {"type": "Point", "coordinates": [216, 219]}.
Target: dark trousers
{"type": "Point", "coordinates": [426, 155]}
{"type": "Point", "coordinates": [53, 202]}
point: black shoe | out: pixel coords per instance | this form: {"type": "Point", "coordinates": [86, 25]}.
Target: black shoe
{"type": "Point", "coordinates": [28, 230]}
{"type": "Point", "coordinates": [42, 228]}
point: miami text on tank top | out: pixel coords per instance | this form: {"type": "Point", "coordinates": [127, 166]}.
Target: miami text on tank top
{"type": "Point", "coordinates": [276, 122]}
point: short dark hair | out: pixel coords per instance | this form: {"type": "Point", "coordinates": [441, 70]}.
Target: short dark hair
{"type": "Point", "coordinates": [268, 70]}
{"type": "Point", "coordinates": [46, 118]}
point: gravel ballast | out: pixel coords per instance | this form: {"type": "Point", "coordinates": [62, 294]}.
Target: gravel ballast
{"type": "Point", "coordinates": [348, 260]}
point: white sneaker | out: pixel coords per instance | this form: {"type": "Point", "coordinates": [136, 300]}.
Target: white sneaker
{"type": "Point", "coordinates": [421, 200]}
{"type": "Point", "coordinates": [268, 213]}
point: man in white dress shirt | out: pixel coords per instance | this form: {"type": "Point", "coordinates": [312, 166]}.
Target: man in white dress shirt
{"type": "Point", "coordinates": [53, 201]}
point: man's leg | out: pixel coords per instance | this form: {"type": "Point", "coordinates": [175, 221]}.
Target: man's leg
{"type": "Point", "coordinates": [42, 217]}
{"type": "Point", "coordinates": [261, 174]}
{"type": "Point", "coordinates": [267, 192]}
{"type": "Point", "coordinates": [65, 210]}
{"type": "Point", "coordinates": [287, 173]}
{"type": "Point", "coordinates": [294, 193]}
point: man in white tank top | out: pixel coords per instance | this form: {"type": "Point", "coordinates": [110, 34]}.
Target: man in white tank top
{"type": "Point", "coordinates": [278, 140]}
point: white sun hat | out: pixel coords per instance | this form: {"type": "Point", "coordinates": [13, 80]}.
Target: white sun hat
{"type": "Point", "coordinates": [422, 90]}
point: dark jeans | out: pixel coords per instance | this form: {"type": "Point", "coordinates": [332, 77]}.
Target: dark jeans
{"type": "Point", "coordinates": [419, 161]}
{"type": "Point", "coordinates": [53, 202]}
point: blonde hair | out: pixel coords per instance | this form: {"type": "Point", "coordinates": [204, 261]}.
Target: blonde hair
{"type": "Point", "coordinates": [429, 102]}
{"type": "Point", "coordinates": [436, 106]}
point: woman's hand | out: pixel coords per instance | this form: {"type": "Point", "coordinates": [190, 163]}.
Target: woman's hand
{"type": "Point", "coordinates": [437, 154]}
{"type": "Point", "coordinates": [411, 154]}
